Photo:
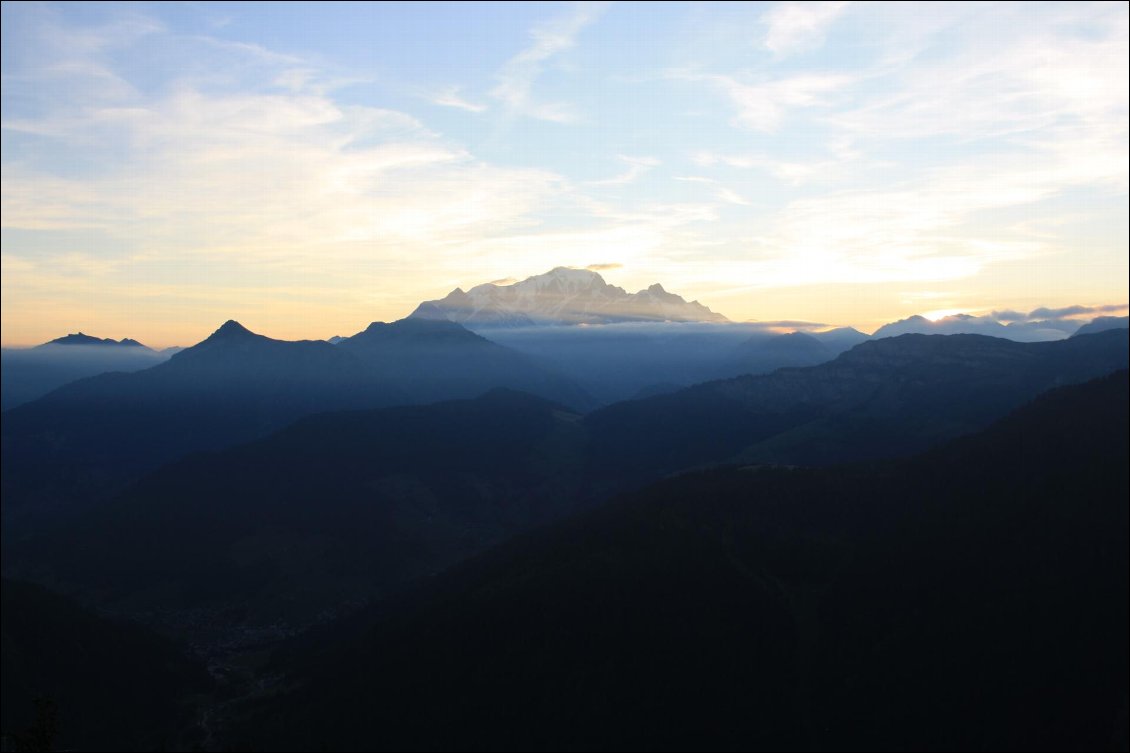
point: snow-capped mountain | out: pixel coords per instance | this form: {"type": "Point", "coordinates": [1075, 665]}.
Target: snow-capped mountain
{"type": "Point", "coordinates": [562, 296]}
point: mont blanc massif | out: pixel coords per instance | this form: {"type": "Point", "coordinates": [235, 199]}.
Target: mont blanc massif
{"type": "Point", "coordinates": [554, 514]}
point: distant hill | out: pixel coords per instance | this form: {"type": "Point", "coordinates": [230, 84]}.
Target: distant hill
{"type": "Point", "coordinates": [111, 685]}
{"type": "Point", "coordinates": [962, 324]}
{"type": "Point", "coordinates": [562, 296]}
{"type": "Point", "coordinates": [761, 354]}
{"type": "Point", "coordinates": [1102, 324]}
{"type": "Point", "coordinates": [973, 597]}
{"type": "Point", "coordinates": [966, 324]}
{"type": "Point", "coordinates": [882, 398]}
{"type": "Point", "coordinates": [840, 339]}
{"type": "Point", "coordinates": [84, 339]}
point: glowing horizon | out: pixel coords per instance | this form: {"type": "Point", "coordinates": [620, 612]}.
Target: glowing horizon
{"type": "Point", "coordinates": [309, 169]}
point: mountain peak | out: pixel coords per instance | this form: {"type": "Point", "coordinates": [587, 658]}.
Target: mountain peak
{"type": "Point", "coordinates": [231, 330]}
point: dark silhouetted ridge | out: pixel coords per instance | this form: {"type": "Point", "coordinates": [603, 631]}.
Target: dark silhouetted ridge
{"type": "Point", "coordinates": [81, 338]}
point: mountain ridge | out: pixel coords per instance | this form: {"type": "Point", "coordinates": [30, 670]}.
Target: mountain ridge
{"type": "Point", "coordinates": [81, 338]}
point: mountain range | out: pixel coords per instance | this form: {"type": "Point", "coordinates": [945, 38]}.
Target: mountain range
{"type": "Point", "coordinates": [88, 439]}
{"type": "Point", "coordinates": [473, 536]}
{"type": "Point", "coordinates": [348, 505]}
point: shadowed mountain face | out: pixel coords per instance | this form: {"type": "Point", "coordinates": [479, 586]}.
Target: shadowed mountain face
{"type": "Point", "coordinates": [111, 686]}
{"type": "Point", "coordinates": [973, 597]}
{"type": "Point", "coordinates": [87, 439]}
{"type": "Point", "coordinates": [440, 360]}
{"type": "Point", "coordinates": [562, 296]}
{"type": "Point", "coordinates": [336, 508]}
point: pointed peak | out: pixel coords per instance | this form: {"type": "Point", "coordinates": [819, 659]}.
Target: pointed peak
{"type": "Point", "coordinates": [656, 288]}
{"type": "Point", "coordinates": [231, 329]}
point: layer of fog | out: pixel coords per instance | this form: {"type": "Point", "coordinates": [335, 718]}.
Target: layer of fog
{"type": "Point", "coordinates": [29, 373]}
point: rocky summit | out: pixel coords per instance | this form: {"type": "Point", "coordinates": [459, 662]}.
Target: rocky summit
{"type": "Point", "coordinates": [562, 296]}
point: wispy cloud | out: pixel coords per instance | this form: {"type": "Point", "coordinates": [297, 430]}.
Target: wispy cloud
{"type": "Point", "coordinates": [450, 97]}
{"type": "Point", "coordinates": [1070, 311]}
{"type": "Point", "coordinates": [796, 27]}
{"type": "Point", "coordinates": [636, 167]}
{"type": "Point", "coordinates": [517, 77]}
{"type": "Point", "coordinates": [764, 105]}
{"type": "Point", "coordinates": [720, 191]}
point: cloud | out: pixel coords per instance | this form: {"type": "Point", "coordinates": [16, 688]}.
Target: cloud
{"type": "Point", "coordinates": [720, 192]}
{"type": "Point", "coordinates": [787, 324]}
{"type": "Point", "coordinates": [603, 267]}
{"type": "Point", "coordinates": [449, 97]}
{"type": "Point", "coordinates": [516, 78]}
{"type": "Point", "coordinates": [637, 166]}
{"type": "Point", "coordinates": [764, 105]}
{"type": "Point", "coordinates": [1070, 311]}
{"type": "Point", "coordinates": [796, 27]}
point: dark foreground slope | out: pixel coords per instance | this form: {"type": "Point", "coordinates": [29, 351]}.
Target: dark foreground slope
{"type": "Point", "coordinates": [75, 681]}
{"type": "Point", "coordinates": [973, 597]}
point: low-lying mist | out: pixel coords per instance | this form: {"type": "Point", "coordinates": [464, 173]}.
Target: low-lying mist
{"type": "Point", "coordinates": [28, 373]}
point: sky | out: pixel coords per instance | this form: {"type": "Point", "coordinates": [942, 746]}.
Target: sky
{"type": "Point", "coordinates": [309, 168]}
